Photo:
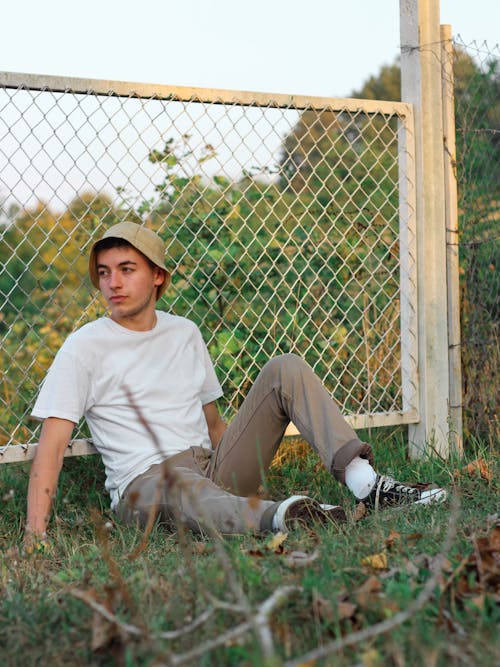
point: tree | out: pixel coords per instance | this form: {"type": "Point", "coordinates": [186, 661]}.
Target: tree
{"type": "Point", "coordinates": [44, 295]}
{"type": "Point", "coordinates": [477, 98]}
{"type": "Point", "coordinates": [260, 271]}
{"type": "Point", "coordinates": [325, 149]}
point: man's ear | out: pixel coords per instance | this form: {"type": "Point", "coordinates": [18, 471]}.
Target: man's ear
{"type": "Point", "coordinates": [160, 276]}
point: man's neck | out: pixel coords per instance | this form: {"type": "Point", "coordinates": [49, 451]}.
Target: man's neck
{"type": "Point", "coordinates": [138, 323]}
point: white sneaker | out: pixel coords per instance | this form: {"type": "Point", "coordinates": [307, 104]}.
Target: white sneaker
{"type": "Point", "coordinates": [304, 511]}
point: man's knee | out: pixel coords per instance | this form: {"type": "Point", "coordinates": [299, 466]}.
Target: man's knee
{"type": "Point", "coordinates": [286, 364]}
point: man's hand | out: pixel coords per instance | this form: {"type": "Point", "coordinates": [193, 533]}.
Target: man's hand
{"type": "Point", "coordinates": [35, 544]}
{"type": "Point", "coordinates": [216, 426]}
{"type": "Point", "coordinates": [54, 438]}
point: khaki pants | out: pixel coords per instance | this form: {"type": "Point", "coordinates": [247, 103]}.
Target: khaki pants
{"type": "Point", "coordinates": [202, 486]}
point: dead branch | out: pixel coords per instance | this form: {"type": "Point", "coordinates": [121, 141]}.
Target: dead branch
{"type": "Point", "coordinates": [263, 617]}
{"type": "Point", "coordinates": [258, 622]}
{"type": "Point", "coordinates": [225, 638]}
{"type": "Point", "coordinates": [171, 478]}
{"type": "Point", "coordinates": [168, 475]}
{"type": "Point", "coordinates": [133, 630]}
{"type": "Point", "coordinates": [401, 617]}
{"type": "Point", "coordinates": [261, 620]}
{"type": "Point", "coordinates": [222, 604]}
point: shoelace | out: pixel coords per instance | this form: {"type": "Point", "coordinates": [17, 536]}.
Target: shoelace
{"type": "Point", "coordinates": [387, 484]}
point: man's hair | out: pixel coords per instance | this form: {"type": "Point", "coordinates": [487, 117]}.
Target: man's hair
{"type": "Point", "coordinates": [116, 242]}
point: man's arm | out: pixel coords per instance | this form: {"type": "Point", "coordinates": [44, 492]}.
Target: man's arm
{"type": "Point", "coordinates": [54, 438]}
{"type": "Point", "coordinates": [216, 426]}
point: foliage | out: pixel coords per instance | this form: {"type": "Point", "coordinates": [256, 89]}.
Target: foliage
{"type": "Point", "coordinates": [45, 296]}
{"type": "Point", "coordinates": [256, 267]}
{"type": "Point", "coordinates": [307, 263]}
{"type": "Point", "coordinates": [236, 247]}
{"type": "Point", "coordinates": [478, 174]}
{"type": "Point", "coordinates": [477, 113]}
{"type": "Point", "coordinates": [310, 163]}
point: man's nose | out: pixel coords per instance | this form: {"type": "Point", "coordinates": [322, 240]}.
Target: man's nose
{"type": "Point", "coordinates": [114, 279]}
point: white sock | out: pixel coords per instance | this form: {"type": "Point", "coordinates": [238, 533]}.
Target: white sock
{"type": "Point", "coordinates": [360, 477]}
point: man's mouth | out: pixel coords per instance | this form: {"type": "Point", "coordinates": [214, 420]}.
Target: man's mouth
{"type": "Point", "coordinates": [117, 298]}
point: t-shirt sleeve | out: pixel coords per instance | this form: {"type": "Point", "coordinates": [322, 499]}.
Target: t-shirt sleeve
{"type": "Point", "coordinates": [211, 389]}
{"type": "Point", "coordinates": [65, 390]}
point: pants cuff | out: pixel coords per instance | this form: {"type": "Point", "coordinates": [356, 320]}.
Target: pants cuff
{"type": "Point", "coordinates": [266, 522]}
{"type": "Point", "coordinates": [346, 454]}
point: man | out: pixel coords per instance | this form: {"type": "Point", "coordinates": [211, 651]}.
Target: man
{"type": "Point", "coordinates": [144, 381]}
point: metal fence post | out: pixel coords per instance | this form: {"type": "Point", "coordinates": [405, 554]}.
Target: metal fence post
{"type": "Point", "coordinates": [421, 86]}
{"type": "Point", "coordinates": [452, 241]}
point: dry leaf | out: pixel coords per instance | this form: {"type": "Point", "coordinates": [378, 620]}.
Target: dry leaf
{"type": "Point", "coordinates": [393, 537]}
{"type": "Point", "coordinates": [254, 552]}
{"type": "Point", "coordinates": [488, 562]}
{"type": "Point", "coordinates": [414, 537]}
{"type": "Point", "coordinates": [370, 658]}
{"type": "Point", "coordinates": [495, 538]}
{"type": "Point", "coordinates": [390, 607]}
{"type": "Point", "coordinates": [478, 466]}
{"type": "Point", "coordinates": [481, 574]}
{"type": "Point", "coordinates": [360, 512]}
{"type": "Point", "coordinates": [463, 589]}
{"type": "Point", "coordinates": [273, 545]}
{"type": "Point", "coordinates": [478, 601]}
{"type": "Point", "coordinates": [345, 610]}
{"type": "Point", "coordinates": [371, 585]}
{"type": "Point", "coordinates": [276, 541]}
{"type": "Point", "coordinates": [12, 554]}
{"type": "Point", "coordinates": [446, 565]}
{"type": "Point", "coordinates": [104, 632]}
{"type": "Point", "coordinates": [376, 561]}
{"type": "Point", "coordinates": [200, 548]}
{"type": "Point", "coordinates": [367, 590]}
{"type": "Point", "coordinates": [322, 607]}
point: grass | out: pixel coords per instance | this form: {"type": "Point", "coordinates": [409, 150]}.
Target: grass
{"type": "Point", "coordinates": [177, 577]}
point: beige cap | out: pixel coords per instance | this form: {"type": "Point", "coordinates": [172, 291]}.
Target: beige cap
{"type": "Point", "coordinates": [142, 239]}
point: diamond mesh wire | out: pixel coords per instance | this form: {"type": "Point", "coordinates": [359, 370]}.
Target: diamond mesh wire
{"type": "Point", "coordinates": [477, 111]}
{"type": "Point", "coordinates": [288, 223]}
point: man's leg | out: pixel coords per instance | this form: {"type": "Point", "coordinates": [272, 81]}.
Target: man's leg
{"type": "Point", "coordinates": [182, 492]}
{"type": "Point", "coordinates": [179, 490]}
{"type": "Point", "coordinates": [286, 390]}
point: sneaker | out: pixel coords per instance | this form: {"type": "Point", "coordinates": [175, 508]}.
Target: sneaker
{"type": "Point", "coordinates": [302, 511]}
{"type": "Point", "coordinates": [334, 512]}
{"type": "Point", "coordinates": [387, 491]}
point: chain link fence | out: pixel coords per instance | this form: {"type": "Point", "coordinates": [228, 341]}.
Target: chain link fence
{"type": "Point", "coordinates": [477, 112]}
{"type": "Point", "coordinates": [289, 224]}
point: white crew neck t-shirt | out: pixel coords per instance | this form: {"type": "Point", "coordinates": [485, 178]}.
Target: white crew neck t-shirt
{"type": "Point", "coordinates": [103, 369]}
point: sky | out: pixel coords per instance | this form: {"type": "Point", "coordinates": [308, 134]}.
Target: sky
{"type": "Point", "coordinates": [326, 48]}
{"type": "Point", "coordinates": [302, 47]}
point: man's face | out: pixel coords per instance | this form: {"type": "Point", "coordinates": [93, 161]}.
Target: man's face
{"type": "Point", "coordinates": [128, 283]}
